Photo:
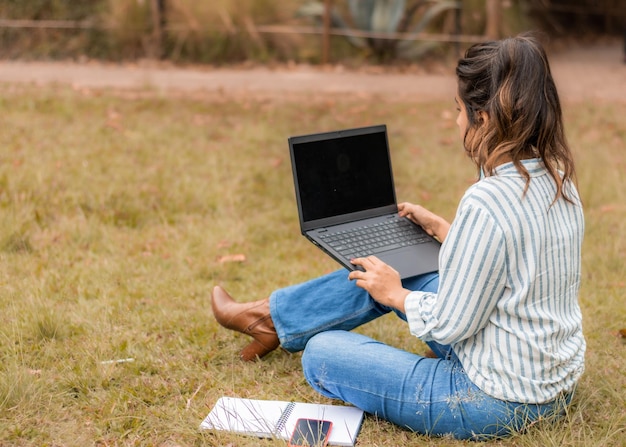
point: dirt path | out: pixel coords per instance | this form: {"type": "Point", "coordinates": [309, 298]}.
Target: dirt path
{"type": "Point", "coordinates": [594, 72]}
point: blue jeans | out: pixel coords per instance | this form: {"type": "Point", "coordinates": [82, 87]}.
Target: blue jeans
{"type": "Point", "coordinates": [429, 396]}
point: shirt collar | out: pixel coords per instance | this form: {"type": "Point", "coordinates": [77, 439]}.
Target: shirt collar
{"type": "Point", "coordinates": [534, 166]}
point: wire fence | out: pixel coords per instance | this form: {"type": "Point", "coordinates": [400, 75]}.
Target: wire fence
{"type": "Point", "coordinates": [250, 28]}
{"type": "Point", "coordinates": [159, 28]}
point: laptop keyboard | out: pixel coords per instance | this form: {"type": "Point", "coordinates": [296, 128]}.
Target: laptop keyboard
{"type": "Point", "coordinates": [372, 239]}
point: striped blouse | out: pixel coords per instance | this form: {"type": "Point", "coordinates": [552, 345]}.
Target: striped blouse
{"type": "Point", "coordinates": [508, 287]}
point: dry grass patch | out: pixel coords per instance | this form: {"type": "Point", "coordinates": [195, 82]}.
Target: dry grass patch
{"type": "Point", "coordinates": [118, 213]}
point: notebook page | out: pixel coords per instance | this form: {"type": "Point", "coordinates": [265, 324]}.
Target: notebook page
{"type": "Point", "coordinates": [245, 416]}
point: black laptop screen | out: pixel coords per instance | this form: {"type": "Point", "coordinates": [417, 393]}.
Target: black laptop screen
{"type": "Point", "coordinates": [343, 174]}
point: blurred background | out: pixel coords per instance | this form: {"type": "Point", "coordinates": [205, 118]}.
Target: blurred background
{"type": "Point", "coordinates": [277, 31]}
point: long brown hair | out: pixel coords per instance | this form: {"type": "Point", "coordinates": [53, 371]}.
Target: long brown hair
{"type": "Point", "coordinates": [510, 81]}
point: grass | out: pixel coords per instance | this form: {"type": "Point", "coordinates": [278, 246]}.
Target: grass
{"type": "Point", "coordinates": [120, 210]}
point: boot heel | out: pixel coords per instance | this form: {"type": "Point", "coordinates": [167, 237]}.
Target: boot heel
{"type": "Point", "coordinates": [255, 350]}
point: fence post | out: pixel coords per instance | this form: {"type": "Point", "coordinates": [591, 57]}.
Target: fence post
{"type": "Point", "coordinates": [457, 28]}
{"type": "Point", "coordinates": [326, 33]}
{"type": "Point", "coordinates": [494, 17]}
{"type": "Point", "coordinates": [158, 27]}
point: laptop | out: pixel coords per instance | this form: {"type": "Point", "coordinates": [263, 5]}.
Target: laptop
{"type": "Point", "coordinates": [346, 198]}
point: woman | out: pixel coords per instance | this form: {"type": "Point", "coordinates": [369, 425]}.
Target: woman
{"type": "Point", "coordinates": [501, 316]}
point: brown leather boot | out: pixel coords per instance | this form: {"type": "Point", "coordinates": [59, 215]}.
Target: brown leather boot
{"type": "Point", "coordinates": [430, 354]}
{"type": "Point", "coordinates": [248, 318]}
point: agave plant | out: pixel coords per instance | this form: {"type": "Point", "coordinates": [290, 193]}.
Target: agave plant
{"type": "Point", "coordinates": [384, 16]}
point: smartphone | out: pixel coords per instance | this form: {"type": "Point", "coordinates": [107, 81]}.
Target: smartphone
{"type": "Point", "coordinates": [310, 433]}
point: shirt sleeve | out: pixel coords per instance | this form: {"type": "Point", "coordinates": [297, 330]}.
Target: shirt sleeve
{"type": "Point", "coordinates": [472, 278]}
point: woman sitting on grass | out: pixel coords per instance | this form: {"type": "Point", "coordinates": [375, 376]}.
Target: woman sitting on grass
{"type": "Point", "coordinates": [501, 316]}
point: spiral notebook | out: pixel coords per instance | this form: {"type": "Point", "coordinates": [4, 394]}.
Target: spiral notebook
{"type": "Point", "coordinates": [277, 419]}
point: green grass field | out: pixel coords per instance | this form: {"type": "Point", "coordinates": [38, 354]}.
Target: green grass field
{"type": "Point", "coordinates": [119, 211]}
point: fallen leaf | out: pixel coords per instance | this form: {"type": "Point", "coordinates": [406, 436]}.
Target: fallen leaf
{"type": "Point", "coordinates": [447, 125]}
{"type": "Point", "coordinates": [114, 120]}
{"type": "Point", "coordinates": [608, 208]}
{"type": "Point", "coordinates": [239, 257]}
{"type": "Point", "coordinates": [223, 244]}
{"type": "Point", "coordinates": [202, 120]}
{"type": "Point", "coordinates": [622, 333]}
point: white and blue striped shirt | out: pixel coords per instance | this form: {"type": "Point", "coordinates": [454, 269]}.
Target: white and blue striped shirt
{"type": "Point", "coordinates": [508, 288]}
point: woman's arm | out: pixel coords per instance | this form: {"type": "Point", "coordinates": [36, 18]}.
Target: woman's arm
{"type": "Point", "coordinates": [380, 280]}
{"type": "Point", "coordinates": [472, 280]}
{"type": "Point", "coordinates": [433, 224]}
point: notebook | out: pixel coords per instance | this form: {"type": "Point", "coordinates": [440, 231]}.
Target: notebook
{"type": "Point", "coordinates": [344, 184]}
{"type": "Point", "coordinates": [277, 419]}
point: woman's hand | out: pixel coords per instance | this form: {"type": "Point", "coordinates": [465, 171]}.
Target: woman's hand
{"type": "Point", "coordinates": [431, 223]}
{"type": "Point", "coordinates": [381, 281]}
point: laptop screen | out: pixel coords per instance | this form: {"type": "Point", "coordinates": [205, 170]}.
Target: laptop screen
{"type": "Point", "coordinates": [342, 172]}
